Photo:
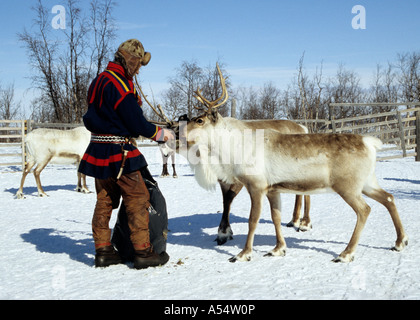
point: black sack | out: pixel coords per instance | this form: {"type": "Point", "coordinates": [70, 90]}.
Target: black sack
{"type": "Point", "coordinates": [158, 224]}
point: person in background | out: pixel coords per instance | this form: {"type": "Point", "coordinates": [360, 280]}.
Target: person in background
{"type": "Point", "coordinates": [114, 117]}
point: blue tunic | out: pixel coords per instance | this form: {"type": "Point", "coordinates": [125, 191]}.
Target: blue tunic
{"type": "Point", "coordinates": [114, 108]}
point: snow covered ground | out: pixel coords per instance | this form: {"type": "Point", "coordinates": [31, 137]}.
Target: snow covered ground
{"type": "Point", "coordinates": [47, 249]}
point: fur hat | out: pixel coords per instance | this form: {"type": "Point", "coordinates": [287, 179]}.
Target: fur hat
{"type": "Point", "coordinates": [131, 56]}
{"type": "Point", "coordinates": [134, 48]}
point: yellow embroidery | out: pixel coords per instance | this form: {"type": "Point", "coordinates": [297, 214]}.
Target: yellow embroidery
{"type": "Point", "coordinates": [157, 129]}
{"type": "Point", "coordinates": [122, 82]}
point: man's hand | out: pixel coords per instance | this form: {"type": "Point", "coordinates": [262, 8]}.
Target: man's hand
{"type": "Point", "coordinates": [167, 135]}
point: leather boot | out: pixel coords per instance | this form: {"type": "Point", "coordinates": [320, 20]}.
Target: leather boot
{"type": "Point", "coordinates": [107, 256]}
{"type": "Point", "coordinates": [149, 258]}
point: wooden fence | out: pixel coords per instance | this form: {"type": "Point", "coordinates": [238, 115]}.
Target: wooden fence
{"type": "Point", "coordinates": [12, 133]}
{"type": "Point", "coordinates": [399, 130]}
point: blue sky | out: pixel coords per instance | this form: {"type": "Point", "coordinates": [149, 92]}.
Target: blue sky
{"type": "Point", "coordinates": [259, 41]}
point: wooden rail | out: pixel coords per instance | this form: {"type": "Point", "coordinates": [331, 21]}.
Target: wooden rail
{"type": "Point", "coordinates": [13, 131]}
{"type": "Point", "coordinates": [400, 128]}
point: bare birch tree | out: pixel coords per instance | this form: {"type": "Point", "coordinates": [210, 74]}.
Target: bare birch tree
{"type": "Point", "coordinates": [189, 77]}
{"type": "Point", "coordinates": [63, 69]}
{"type": "Point", "coordinates": [9, 108]}
{"type": "Point", "coordinates": [408, 65]}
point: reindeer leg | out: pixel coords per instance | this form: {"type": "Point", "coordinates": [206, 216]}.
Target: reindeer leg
{"type": "Point", "coordinates": [229, 193]}
{"type": "Point", "coordinates": [81, 183]}
{"type": "Point", "coordinates": [388, 201]}
{"type": "Point", "coordinates": [362, 210]}
{"type": "Point", "coordinates": [37, 173]}
{"type": "Point", "coordinates": [174, 171]}
{"type": "Point", "coordinates": [85, 188]}
{"type": "Point", "coordinates": [275, 205]}
{"type": "Point", "coordinates": [173, 165]}
{"type": "Point", "coordinates": [295, 222]}
{"type": "Point", "coordinates": [254, 217]}
{"type": "Point", "coordinates": [305, 222]}
{"type": "Point", "coordinates": [28, 167]}
{"type": "Point", "coordinates": [165, 172]}
{"type": "Point", "coordinates": [299, 224]}
{"type": "Point", "coordinates": [81, 180]}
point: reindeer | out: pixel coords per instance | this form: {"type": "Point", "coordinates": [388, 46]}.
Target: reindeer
{"type": "Point", "coordinates": [44, 145]}
{"type": "Point", "coordinates": [295, 163]}
{"type": "Point", "coordinates": [230, 191]}
{"type": "Point", "coordinates": [165, 150]}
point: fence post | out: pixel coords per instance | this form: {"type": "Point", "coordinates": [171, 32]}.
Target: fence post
{"type": "Point", "coordinates": [417, 135]}
{"type": "Point", "coordinates": [402, 135]}
{"type": "Point", "coordinates": [233, 108]}
{"type": "Point", "coordinates": [23, 131]}
{"type": "Point", "coordinates": [332, 118]}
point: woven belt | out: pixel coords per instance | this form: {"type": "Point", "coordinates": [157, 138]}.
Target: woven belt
{"type": "Point", "coordinates": [108, 138]}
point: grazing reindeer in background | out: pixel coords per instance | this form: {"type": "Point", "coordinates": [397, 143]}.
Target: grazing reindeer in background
{"type": "Point", "coordinates": [296, 163]}
{"type": "Point", "coordinates": [167, 152]}
{"type": "Point", "coordinates": [44, 145]}
{"type": "Point", "coordinates": [230, 191]}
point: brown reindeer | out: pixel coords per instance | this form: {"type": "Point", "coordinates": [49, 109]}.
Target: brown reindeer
{"type": "Point", "coordinates": [272, 163]}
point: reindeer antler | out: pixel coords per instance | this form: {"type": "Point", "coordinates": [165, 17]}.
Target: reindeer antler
{"type": "Point", "coordinates": [159, 113]}
{"type": "Point", "coordinates": [213, 104]}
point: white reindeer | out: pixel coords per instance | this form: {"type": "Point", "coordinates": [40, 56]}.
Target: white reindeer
{"type": "Point", "coordinates": [297, 163]}
{"type": "Point", "coordinates": [61, 146]}
{"type": "Point", "coordinates": [167, 152]}
{"type": "Point", "coordinates": [230, 191]}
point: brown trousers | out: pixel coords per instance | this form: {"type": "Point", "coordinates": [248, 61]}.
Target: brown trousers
{"type": "Point", "coordinates": [133, 190]}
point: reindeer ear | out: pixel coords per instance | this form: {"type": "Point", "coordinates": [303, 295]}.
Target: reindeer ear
{"type": "Point", "coordinates": [213, 115]}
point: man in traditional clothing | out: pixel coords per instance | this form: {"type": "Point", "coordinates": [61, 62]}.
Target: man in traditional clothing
{"type": "Point", "coordinates": [114, 117]}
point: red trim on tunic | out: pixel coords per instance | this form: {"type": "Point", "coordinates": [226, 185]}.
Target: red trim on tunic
{"type": "Point", "coordinates": [112, 158]}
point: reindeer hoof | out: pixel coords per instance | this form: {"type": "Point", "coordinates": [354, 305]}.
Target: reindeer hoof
{"type": "Point", "coordinates": [276, 253]}
{"type": "Point", "coordinates": [344, 259]}
{"type": "Point", "coordinates": [300, 226]}
{"type": "Point", "coordinates": [241, 257]}
{"type": "Point", "coordinates": [291, 224]}
{"type": "Point", "coordinates": [83, 190]}
{"type": "Point", "coordinates": [234, 259]}
{"type": "Point", "coordinates": [222, 240]}
{"type": "Point", "coordinates": [305, 228]}
{"type": "Point", "coordinates": [399, 247]}
{"type": "Point", "coordinates": [19, 195]}
{"type": "Point", "coordinates": [223, 237]}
